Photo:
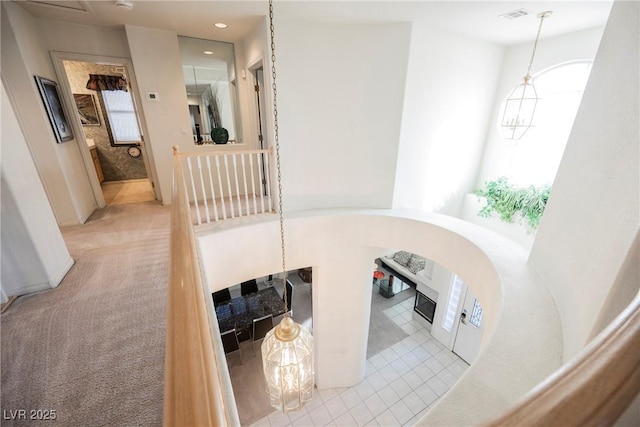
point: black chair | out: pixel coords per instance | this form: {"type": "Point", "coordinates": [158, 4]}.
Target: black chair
{"type": "Point", "coordinates": [261, 326]}
{"type": "Point", "coordinates": [249, 287]}
{"type": "Point", "coordinates": [230, 342]}
{"type": "Point", "coordinates": [221, 297]}
{"type": "Point", "coordinates": [289, 297]}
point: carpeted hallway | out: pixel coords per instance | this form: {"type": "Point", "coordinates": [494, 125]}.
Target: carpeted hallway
{"type": "Point", "coordinates": [93, 348]}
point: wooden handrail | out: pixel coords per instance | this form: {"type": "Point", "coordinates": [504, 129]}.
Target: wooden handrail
{"type": "Point", "coordinates": [594, 388]}
{"type": "Point", "coordinates": [195, 393]}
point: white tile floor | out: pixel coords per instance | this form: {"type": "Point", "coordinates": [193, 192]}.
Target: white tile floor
{"type": "Point", "coordinates": [401, 383]}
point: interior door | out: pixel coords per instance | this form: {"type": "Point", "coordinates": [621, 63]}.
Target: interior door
{"type": "Point", "coordinates": [470, 328]}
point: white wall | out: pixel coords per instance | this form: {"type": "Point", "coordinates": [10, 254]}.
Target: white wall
{"type": "Point", "coordinates": [522, 342]}
{"type": "Point", "coordinates": [69, 37]}
{"type": "Point", "coordinates": [580, 45]}
{"type": "Point", "coordinates": [593, 213]}
{"type": "Point", "coordinates": [158, 66]}
{"type": "Point", "coordinates": [34, 255]}
{"type": "Point", "coordinates": [451, 82]}
{"type": "Point", "coordinates": [59, 165]}
{"type": "Point", "coordinates": [340, 97]}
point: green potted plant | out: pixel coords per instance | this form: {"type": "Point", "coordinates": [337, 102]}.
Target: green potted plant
{"type": "Point", "coordinates": [509, 201]}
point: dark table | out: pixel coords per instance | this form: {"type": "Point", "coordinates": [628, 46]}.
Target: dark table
{"type": "Point", "coordinates": [240, 311]}
{"type": "Point", "coordinates": [388, 288]}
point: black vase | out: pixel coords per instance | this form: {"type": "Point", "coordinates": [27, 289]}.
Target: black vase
{"type": "Point", "coordinates": [220, 135]}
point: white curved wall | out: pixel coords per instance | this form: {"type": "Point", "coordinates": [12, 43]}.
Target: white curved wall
{"type": "Point", "coordinates": [522, 344]}
{"type": "Point", "coordinates": [593, 213]}
{"type": "Point", "coordinates": [451, 80]}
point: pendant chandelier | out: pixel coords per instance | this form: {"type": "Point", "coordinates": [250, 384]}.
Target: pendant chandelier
{"type": "Point", "coordinates": [520, 105]}
{"type": "Point", "coordinates": [287, 349]}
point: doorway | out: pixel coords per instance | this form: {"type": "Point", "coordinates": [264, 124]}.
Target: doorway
{"type": "Point", "coordinates": [258, 77]}
{"type": "Point", "coordinates": [101, 95]}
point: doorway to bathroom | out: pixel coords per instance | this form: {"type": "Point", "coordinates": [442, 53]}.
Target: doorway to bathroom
{"type": "Point", "coordinates": [112, 137]}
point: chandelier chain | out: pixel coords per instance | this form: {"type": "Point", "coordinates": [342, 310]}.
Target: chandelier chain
{"type": "Point", "coordinates": [274, 87]}
{"type": "Point", "coordinates": [535, 44]}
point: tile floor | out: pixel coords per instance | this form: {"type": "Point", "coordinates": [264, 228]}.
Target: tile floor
{"type": "Point", "coordinates": [128, 191]}
{"type": "Point", "coordinates": [401, 383]}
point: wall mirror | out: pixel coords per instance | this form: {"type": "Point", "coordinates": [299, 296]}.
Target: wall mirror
{"type": "Point", "coordinates": [210, 79]}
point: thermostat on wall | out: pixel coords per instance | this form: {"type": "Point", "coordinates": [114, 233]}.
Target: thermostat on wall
{"type": "Point", "coordinates": [152, 96]}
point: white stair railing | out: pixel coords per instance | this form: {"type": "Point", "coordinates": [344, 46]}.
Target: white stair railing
{"type": "Point", "coordinates": [229, 184]}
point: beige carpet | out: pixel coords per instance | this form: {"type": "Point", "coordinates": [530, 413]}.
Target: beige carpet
{"type": "Point", "coordinates": [93, 348]}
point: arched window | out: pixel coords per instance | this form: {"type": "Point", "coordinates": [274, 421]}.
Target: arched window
{"type": "Point", "coordinates": [536, 156]}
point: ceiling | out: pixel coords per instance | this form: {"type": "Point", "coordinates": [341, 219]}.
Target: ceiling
{"type": "Point", "coordinates": [479, 19]}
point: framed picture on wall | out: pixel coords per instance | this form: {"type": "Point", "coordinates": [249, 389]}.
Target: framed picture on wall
{"type": "Point", "coordinates": [53, 104]}
{"type": "Point", "coordinates": [87, 109]}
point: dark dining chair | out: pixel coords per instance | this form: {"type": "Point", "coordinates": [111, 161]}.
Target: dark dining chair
{"type": "Point", "coordinates": [289, 297]}
{"type": "Point", "coordinates": [230, 342]}
{"type": "Point", "coordinates": [261, 326]}
{"type": "Point", "coordinates": [249, 287]}
{"type": "Point", "coordinates": [221, 297]}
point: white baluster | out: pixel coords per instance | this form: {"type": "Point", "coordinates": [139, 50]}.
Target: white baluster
{"type": "Point", "coordinates": [253, 183]}
{"type": "Point", "coordinates": [226, 166]}
{"type": "Point", "coordinates": [204, 191]}
{"type": "Point", "coordinates": [267, 181]}
{"type": "Point", "coordinates": [193, 188]}
{"type": "Point", "coordinates": [260, 175]}
{"type": "Point", "coordinates": [213, 191]}
{"type": "Point", "coordinates": [244, 180]}
{"type": "Point", "coordinates": [224, 208]}
{"type": "Point", "coordinates": [235, 174]}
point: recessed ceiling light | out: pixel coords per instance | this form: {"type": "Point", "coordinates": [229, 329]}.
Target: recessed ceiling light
{"type": "Point", "coordinates": [208, 52]}
{"type": "Point", "coordinates": [220, 25]}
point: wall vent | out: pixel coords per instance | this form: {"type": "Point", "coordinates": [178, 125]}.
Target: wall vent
{"type": "Point", "coordinates": [66, 5]}
{"type": "Point", "coordinates": [515, 14]}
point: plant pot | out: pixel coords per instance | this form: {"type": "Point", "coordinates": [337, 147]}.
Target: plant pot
{"type": "Point", "coordinates": [220, 135]}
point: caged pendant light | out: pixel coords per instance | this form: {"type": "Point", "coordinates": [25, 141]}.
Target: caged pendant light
{"type": "Point", "coordinates": [287, 349]}
{"type": "Point", "coordinates": [520, 105]}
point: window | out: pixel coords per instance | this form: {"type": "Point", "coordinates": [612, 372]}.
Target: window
{"type": "Point", "coordinates": [452, 304]}
{"type": "Point", "coordinates": [122, 117]}
{"type": "Point", "coordinates": [476, 313]}
{"type": "Point", "coordinates": [536, 156]}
